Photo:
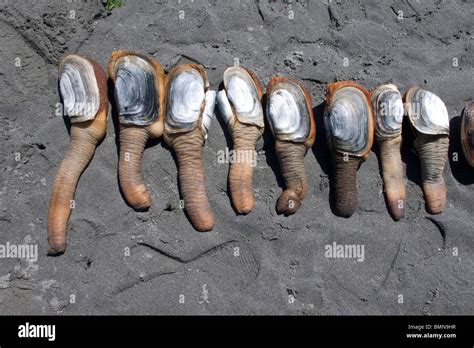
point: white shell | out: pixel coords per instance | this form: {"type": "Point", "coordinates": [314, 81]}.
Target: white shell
{"type": "Point", "coordinates": [79, 89]}
{"type": "Point", "coordinates": [135, 91]}
{"type": "Point", "coordinates": [208, 113]}
{"type": "Point", "coordinates": [185, 99]}
{"type": "Point", "coordinates": [225, 109]}
{"type": "Point", "coordinates": [388, 111]}
{"type": "Point", "coordinates": [243, 96]}
{"type": "Point", "coordinates": [288, 112]}
{"type": "Point", "coordinates": [426, 111]}
{"type": "Point", "coordinates": [347, 121]}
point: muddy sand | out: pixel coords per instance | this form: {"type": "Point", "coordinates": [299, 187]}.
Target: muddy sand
{"type": "Point", "coordinates": [120, 261]}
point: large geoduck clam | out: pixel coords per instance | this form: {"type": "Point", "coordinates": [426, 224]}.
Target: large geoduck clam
{"type": "Point", "coordinates": [429, 120]}
{"type": "Point", "coordinates": [388, 111]}
{"type": "Point", "coordinates": [349, 125]}
{"type": "Point", "coordinates": [190, 108]}
{"type": "Point", "coordinates": [239, 104]}
{"type": "Point", "coordinates": [467, 132]}
{"type": "Point", "coordinates": [290, 115]}
{"type": "Point", "coordinates": [83, 88]}
{"type": "Point", "coordinates": [139, 83]}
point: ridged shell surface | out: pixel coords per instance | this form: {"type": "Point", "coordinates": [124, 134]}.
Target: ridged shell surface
{"type": "Point", "coordinates": [135, 91]}
{"type": "Point", "coordinates": [346, 121]}
{"type": "Point", "coordinates": [79, 89]}
{"type": "Point", "coordinates": [288, 113]}
{"type": "Point", "coordinates": [243, 96]}
{"type": "Point", "coordinates": [388, 111]}
{"type": "Point", "coordinates": [426, 111]}
{"type": "Point", "coordinates": [185, 99]}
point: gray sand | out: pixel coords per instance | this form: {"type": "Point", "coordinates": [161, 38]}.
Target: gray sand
{"type": "Point", "coordinates": [261, 263]}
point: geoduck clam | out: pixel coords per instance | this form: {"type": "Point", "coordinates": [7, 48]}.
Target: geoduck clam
{"type": "Point", "coordinates": [239, 104]}
{"type": "Point", "coordinates": [139, 83]}
{"type": "Point", "coordinates": [388, 111]}
{"type": "Point", "coordinates": [83, 88]}
{"type": "Point", "coordinates": [290, 115]}
{"type": "Point", "coordinates": [349, 125]}
{"type": "Point", "coordinates": [429, 121]}
{"type": "Point", "coordinates": [190, 108]}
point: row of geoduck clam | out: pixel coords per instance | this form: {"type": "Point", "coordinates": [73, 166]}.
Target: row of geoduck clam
{"type": "Point", "coordinates": [179, 106]}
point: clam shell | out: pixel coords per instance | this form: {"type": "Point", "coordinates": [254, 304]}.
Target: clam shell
{"type": "Point", "coordinates": [225, 109]}
{"type": "Point", "coordinates": [467, 132]}
{"type": "Point", "coordinates": [243, 95]}
{"type": "Point", "coordinates": [388, 111]}
{"type": "Point", "coordinates": [208, 113]}
{"type": "Point", "coordinates": [79, 88]}
{"type": "Point", "coordinates": [135, 91]}
{"type": "Point", "coordinates": [186, 95]}
{"type": "Point", "coordinates": [287, 111]}
{"type": "Point", "coordinates": [347, 120]}
{"type": "Point", "coordinates": [426, 111]}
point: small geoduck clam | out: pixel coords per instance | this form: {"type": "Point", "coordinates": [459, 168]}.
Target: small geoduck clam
{"type": "Point", "coordinates": [139, 83]}
{"type": "Point", "coordinates": [239, 104]}
{"type": "Point", "coordinates": [388, 111]}
{"type": "Point", "coordinates": [349, 124]}
{"type": "Point", "coordinates": [290, 115]}
{"type": "Point", "coordinates": [83, 88]}
{"type": "Point", "coordinates": [189, 111]}
{"type": "Point", "coordinates": [429, 121]}
{"type": "Point", "coordinates": [467, 132]}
